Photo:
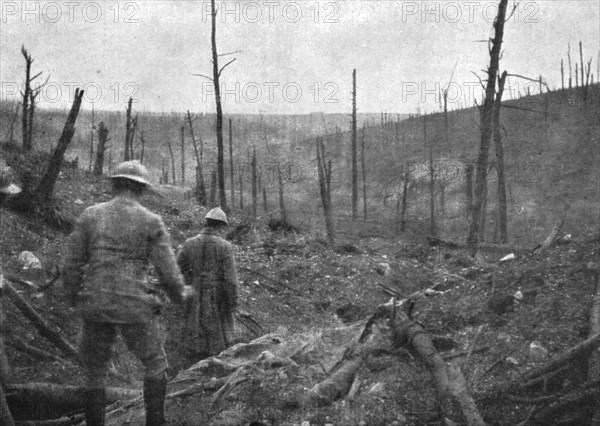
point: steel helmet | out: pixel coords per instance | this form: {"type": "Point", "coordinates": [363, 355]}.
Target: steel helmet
{"type": "Point", "coordinates": [217, 214]}
{"type": "Point", "coordinates": [7, 180]}
{"type": "Point", "coordinates": [132, 170]}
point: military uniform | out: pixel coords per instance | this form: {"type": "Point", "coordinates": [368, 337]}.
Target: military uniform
{"type": "Point", "coordinates": [117, 241]}
{"type": "Point", "coordinates": [207, 263]}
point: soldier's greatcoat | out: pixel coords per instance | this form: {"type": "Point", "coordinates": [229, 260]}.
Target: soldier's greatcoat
{"type": "Point", "coordinates": [113, 245]}
{"type": "Point", "coordinates": [118, 240]}
{"type": "Point", "coordinates": [208, 264]}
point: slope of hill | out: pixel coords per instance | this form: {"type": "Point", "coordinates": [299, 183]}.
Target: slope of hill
{"type": "Point", "coordinates": [299, 287]}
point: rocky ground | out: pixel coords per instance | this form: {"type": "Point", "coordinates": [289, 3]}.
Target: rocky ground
{"type": "Point", "coordinates": [506, 317]}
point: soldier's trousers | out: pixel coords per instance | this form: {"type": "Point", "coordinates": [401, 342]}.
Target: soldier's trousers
{"type": "Point", "coordinates": [145, 340]}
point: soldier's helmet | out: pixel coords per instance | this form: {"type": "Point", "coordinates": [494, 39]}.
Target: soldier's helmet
{"type": "Point", "coordinates": [132, 170]}
{"type": "Point", "coordinates": [7, 180]}
{"type": "Point", "coordinates": [217, 214]}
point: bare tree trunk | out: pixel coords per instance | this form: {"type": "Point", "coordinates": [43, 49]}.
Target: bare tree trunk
{"type": "Point", "coordinates": [282, 210]}
{"type": "Point", "coordinates": [404, 199]}
{"type": "Point", "coordinates": [569, 59]}
{"type": "Point", "coordinates": [324, 171]}
{"type": "Point", "coordinates": [219, 124]}
{"type": "Point", "coordinates": [432, 224]}
{"type": "Point", "coordinates": [581, 65]}
{"type": "Point", "coordinates": [354, 151]}
{"type": "Point", "coordinates": [469, 190]}
{"type": "Point", "coordinates": [172, 161]}
{"type": "Point", "coordinates": [254, 184]}
{"type": "Point", "coordinates": [102, 139]}
{"type": "Point", "coordinates": [265, 204]}
{"type": "Point", "coordinates": [502, 209]}
{"type": "Point", "coordinates": [364, 175]}
{"type": "Point", "coordinates": [45, 189]}
{"type": "Point", "coordinates": [200, 187]}
{"type": "Point", "coordinates": [143, 142]}
{"type": "Point", "coordinates": [92, 141]}
{"type": "Point", "coordinates": [32, 97]}
{"type": "Point", "coordinates": [128, 124]}
{"type": "Point", "coordinates": [231, 171]}
{"type": "Point", "coordinates": [483, 212]}
{"type": "Point", "coordinates": [165, 171]}
{"type": "Point", "coordinates": [241, 180]}
{"type": "Point", "coordinates": [213, 188]}
{"type": "Point", "coordinates": [182, 155]}
{"type": "Point", "coordinates": [562, 74]}
{"type": "Point", "coordinates": [24, 117]}
{"type": "Point", "coordinates": [486, 128]}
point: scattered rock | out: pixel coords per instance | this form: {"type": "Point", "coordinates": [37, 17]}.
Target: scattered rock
{"type": "Point", "coordinates": [78, 201]}
{"type": "Point", "coordinates": [512, 360]}
{"type": "Point", "coordinates": [28, 261]}
{"type": "Point", "coordinates": [376, 388]}
{"type": "Point", "coordinates": [508, 257]}
{"type": "Point", "coordinates": [537, 352]}
{"type": "Point", "coordinates": [383, 269]}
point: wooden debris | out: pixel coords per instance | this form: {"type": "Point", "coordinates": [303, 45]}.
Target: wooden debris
{"type": "Point", "coordinates": [449, 382]}
{"type": "Point", "coordinates": [45, 330]}
{"type": "Point", "coordinates": [553, 234]}
{"type": "Point", "coordinates": [337, 385]}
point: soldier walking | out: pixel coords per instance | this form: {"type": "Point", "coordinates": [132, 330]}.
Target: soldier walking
{"type": "Point", "coordinates": [117, 241]}
{"type": "Point", "coordinates": [208, 264]}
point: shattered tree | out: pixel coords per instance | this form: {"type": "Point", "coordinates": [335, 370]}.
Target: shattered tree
{"type": "Point", "coordinates": [487, 110]}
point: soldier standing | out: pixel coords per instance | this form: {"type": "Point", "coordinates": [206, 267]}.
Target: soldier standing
{"type": "Point", "coordinates": [208, 264]}
{"type": "Point", "coordinates": [117, 241]}
{"type": "Point", "coordinates": [7, 188]}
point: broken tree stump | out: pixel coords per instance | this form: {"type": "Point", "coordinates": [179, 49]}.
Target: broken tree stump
{"type": "Point", "coordinates": [553, 234]}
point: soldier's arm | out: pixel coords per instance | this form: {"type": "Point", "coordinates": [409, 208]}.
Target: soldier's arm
{"type": "Point", "coordinates": [163, 259]}
{"type": "Point", "coordinates": [230, 277]}
{"type": "Point", "coordinates": [75, 258]}
{"type": "Point", "coordinates": [184, 264]}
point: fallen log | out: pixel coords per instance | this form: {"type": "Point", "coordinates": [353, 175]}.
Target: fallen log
{"type": "Point", "coordinates": [35, 401]}
{"type": "Point", "coordinates": [51, 333]}
{"type": "Point", "coordinates": [337, 385]}
{"type": "Point", "coordinates": [450, 385]}
{"type": "Point", "coordinates": [577, 400]}
{"type": "Point", "coordinates": [47, 331]}
{"type": "Point", "coordinates": [34, 351]}
{"type": "Point", "coordinates": [63, 421]}
{"type": "Point", "coordinates": [576, 353]}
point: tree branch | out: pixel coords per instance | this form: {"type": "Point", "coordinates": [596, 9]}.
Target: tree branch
{"type": "Point", "coordinates": [224, 66]}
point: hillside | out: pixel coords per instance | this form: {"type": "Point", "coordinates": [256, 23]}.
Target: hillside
{"type": "Point", "coordinates": [552, 156]}
{"type": "Point", "coordinates": [302, 290]}
{"type": "Point", "coordinates": [551, 144]}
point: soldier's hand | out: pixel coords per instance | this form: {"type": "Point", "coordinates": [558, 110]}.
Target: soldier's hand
{"type": "Point", "coordinates": [187, 293]}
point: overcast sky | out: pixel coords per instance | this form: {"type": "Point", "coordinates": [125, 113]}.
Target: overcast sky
{"type": "Point", "coordinates": [291, 57]}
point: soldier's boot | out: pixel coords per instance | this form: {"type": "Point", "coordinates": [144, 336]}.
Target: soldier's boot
{"type": "Point", "coordinates": [94, 406]}
{"type": "Point", "coordinates": [154, 398]}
